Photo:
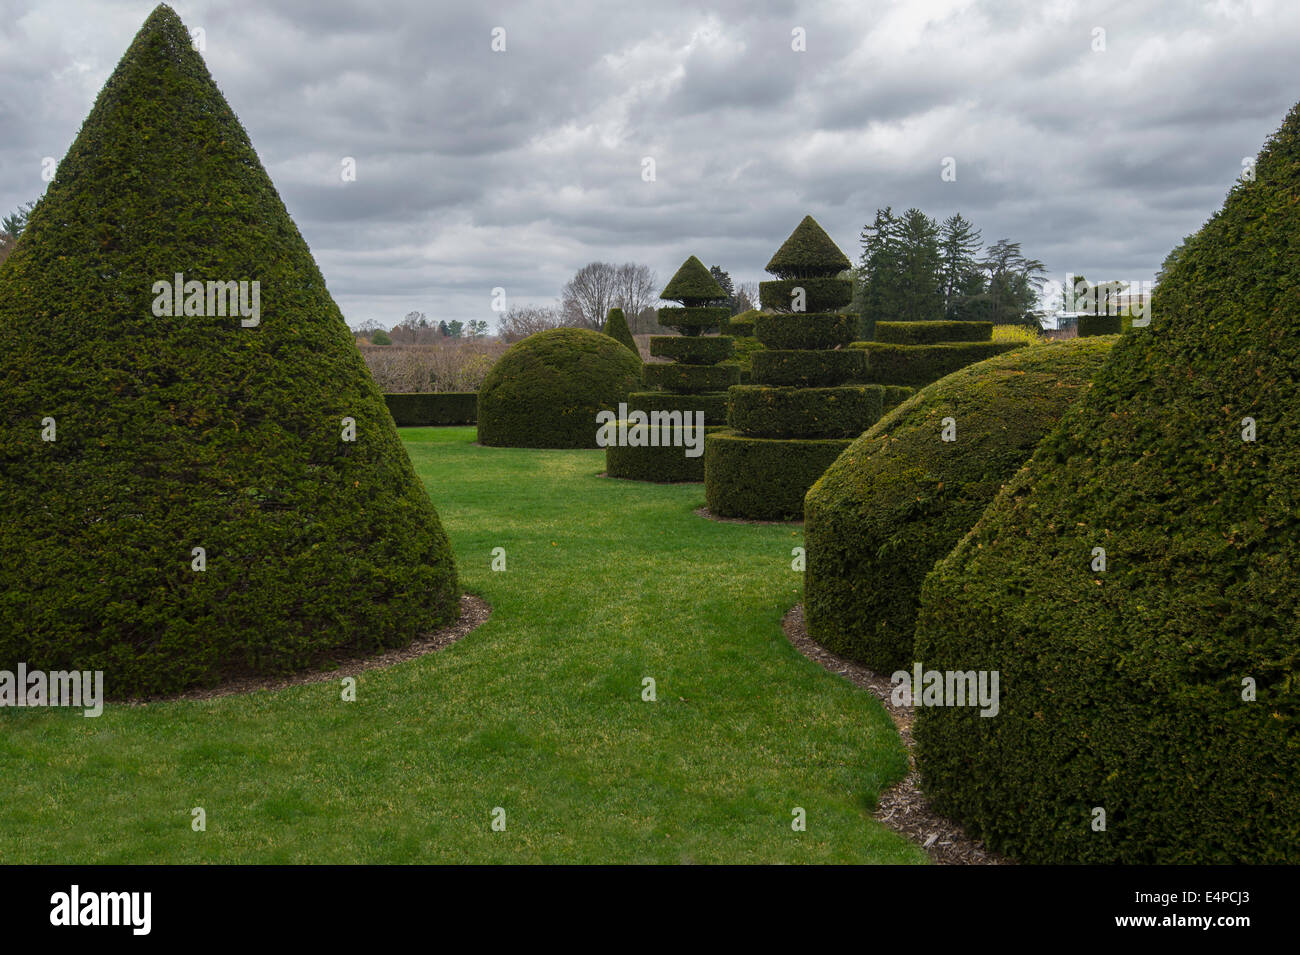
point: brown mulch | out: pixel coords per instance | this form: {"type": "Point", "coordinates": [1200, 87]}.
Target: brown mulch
{"type": "Point", "coordinates": [903, 807]}
{"type": "Point", "coordinates": [707, 514]}
{"type": "Point", "coordinates": [474, 612]}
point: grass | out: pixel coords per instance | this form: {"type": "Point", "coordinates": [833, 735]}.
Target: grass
{"type": "Point", "coordinates": [539, 711]}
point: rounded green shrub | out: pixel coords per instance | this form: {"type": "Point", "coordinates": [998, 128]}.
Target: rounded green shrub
{"type": "Point", "coordinates": [546, 390]}
{"type": "Point", "coordinates": [742, 325]}
{"type": "Point", "coordinates": [179, 497]}
{"type": "Point", "coordinates": [805, 368]}
{"type": "Point", "coordinates": [900, 497]}
{"type": "Point", "coordinates": [699, 350]}
{"type": "Point", "coordinates": [1159, 685]}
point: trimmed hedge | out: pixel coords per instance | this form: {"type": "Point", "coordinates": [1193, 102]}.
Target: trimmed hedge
{"type": "Point", "coordinates": [808, 253]}
{"type": "Point", "coordinates": [1126, 688]}
{"type": "Point", "coordinates": [545, 391]}
{"type": "Point", "coordinates": [896, 394]}
{"type": "Point", "coordinates": [1090, 325]}
{"type": "Point", "coordinates": [816, 330]}
{"type": "Point", "coordinates": [842, 412]}
{"type": "Point", "coordinates": [742, 325]}
{"type": "Point", "coordinates": [763, 479]}
{"type": "Point", "coordinates": [616, 328]}
{"type": "Point", "coordinates": [174, 432]}
{"type": "Point", "coordinates": [691, 378]}
{"type": "Point", "coordinates": [694, 319]}
{"type": "Point", "coordinates": [919, 365]}
{"type": "Point", "coordinates": [418, 410]}
{"type": "Point", "coordinates": [809, 369]}
{"type": "Point", "coordinates": [932, 333]}
{"type": "Point", "coordinates": [899, 498]}
{"type": "Point", "coordinates": [660, 465]}
{"type": "Point", "coordinates": [743, 358]}
{"type": "Point", "coordinates": [697, 350]}
{"type": "Point", "coordinates": [713, 405]}
{"type": "Point", "coordinates": [820, 295]}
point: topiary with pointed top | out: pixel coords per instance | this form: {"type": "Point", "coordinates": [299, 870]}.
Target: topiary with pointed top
{"type": "Point", "coordinates": [616, 328]}
{"type": "Point", "coordinates": [1135, 585]}
{"type": "Point", "coordinates": [179, 500]}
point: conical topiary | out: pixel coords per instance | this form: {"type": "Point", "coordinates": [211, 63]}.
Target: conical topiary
{"type": "Point", "coordinates": [694, 381]}
{"type": "Point", "coordinates": [183, 493]}
{"type": "Point", "coordinates": [802, 410]}
{"type": "Point", "coordinates": [1135, 585]}
{"type": "Point", "coordinates": [616, 328]}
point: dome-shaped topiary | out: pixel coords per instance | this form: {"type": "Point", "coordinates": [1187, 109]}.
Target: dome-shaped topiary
{"type": "Point", "coordinates": [1136, 583]}
{"type": "Point", "coordinates": [616, 328]}
{"type": "Point", "coordinates": [190, 491]}
{"type": "Point", "coordinates": [900, 497]}
{"type": "Point", "coordinates": [546, 390]}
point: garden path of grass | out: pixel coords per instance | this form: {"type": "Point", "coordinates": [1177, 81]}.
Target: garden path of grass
{"type": "Point", "coordinates": [539, 711]}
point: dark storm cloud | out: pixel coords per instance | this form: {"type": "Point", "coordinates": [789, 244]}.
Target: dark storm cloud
{"type": "Point", "coordinates": [478, 169]}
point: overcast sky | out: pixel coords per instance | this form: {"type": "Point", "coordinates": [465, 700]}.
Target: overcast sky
{"type": "Point", "coordinates": [477, 169]}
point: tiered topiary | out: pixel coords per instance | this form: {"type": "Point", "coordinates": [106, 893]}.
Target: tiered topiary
{"type": "Point", "coordinates": [696, 379]}
{"type": "Point", "coordinates": [616, 328]}
{"type": "Point", "coordinates": [787, 427]}
{"type": "Point", "coordinates": [546, 390]}
{"type": "Point", "coordinates": [1135, 584]}
{"type": "Point", "coordinates": [901, 496]}
{"type": "Point", "coordinates": [179, 496]}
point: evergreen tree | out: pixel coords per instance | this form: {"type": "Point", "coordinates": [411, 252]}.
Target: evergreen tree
{"type": "Point", "coordinates": [919, 297]}
{"type": "Point", "coordinates": [960, 244]}
{"type": "Point", "coordinates": [879, 268]}
{"type": "Point", "coordinates": [724, 279]}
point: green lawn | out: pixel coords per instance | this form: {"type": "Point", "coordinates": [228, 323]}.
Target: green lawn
{"type": "Point", "coordinates": [539, 711]}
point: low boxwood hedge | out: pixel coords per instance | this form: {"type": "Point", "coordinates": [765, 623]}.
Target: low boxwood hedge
{"type": "Point", "coordinates": [777, 412]}
{"type": "Point", "coordinates": [546, 390]}
{"type": "Point", "coordinates": [793, 330]}
{"type": "Point", "coordinates": [693, 320]}
{"type": "Point", "coordinates": [418, 410]}
{"type": "Point", "coordinates": [932, 333]}
{"type": "Point", "coordinates": [1090, 325]}
{"type": "Point", "coordinates": [691, 378]}
{"type": "Point", "coordinates": [661, 465]}
{"type": "Point", "coordinates": [763, 479]}
{"type": "Point", "coordinates": [820, 294]}
{"type": "Point", "coordinates": [899, 498]}
{"type": "Point", "coordinates": [692, 350]}
{"type": "Point", "coordinates": [918, 365]}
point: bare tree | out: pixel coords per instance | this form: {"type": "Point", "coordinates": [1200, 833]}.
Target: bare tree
{"type": "Point", "coordinates": [524, 320]}
{"type": "Point", "coordinates": [745, 297]}
{"type": "Point", "coordinates": [589, 295]}
{"type": "Point", "coordinates": [636, 288]}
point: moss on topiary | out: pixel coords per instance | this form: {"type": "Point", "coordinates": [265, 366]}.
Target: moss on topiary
{"type": "Point", "coordinates": [546, 390]}
{"type": "Point", "coordinates": [1127, 688]}
{"type": "Point", "coordinates": [176, 432]}
{"type": "Point", "coordinates": [900, 497]}
{"type": "Point", "coordinates": [617, 329]}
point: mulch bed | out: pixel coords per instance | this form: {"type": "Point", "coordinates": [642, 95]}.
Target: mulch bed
{"type": "Point", "coordinates": [903, 807]}
{"type": "Point", "coordinates": [474, 612]}
{"type": "Point", "coordinates": [707, 514]}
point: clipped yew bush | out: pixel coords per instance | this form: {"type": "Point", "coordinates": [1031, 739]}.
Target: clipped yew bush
{"type": "Point", "coordinates": [616, 327]}
{"type": "Point", "coordinates": [546, 390]}
{"type": "Point", "coordinates": [900, 497]}
{"type": "Point", "coordinates": [179, 500]}
{"type": "Point", "coordinates": [1159, 686]}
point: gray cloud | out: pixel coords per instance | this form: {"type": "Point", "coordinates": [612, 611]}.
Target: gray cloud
{"type": "Point", "coordinates": [479, 169]}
